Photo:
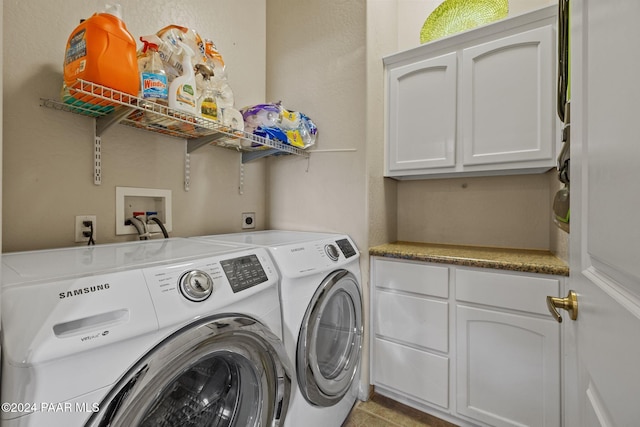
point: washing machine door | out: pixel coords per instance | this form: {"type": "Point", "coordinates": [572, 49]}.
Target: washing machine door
{"type": "Point", "coordinates": [330, 340]}
{"type": "Point", "coordinates": [219, 371]}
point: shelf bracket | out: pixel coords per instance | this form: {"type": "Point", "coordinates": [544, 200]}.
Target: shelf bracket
{"type": "Point", "coordinates": [195, 143]}
{"type": "Point", "coordinates": [103, 123]}
{"type": "Point", "coordinates": [249, 156]}
{"type": "Point", "coordinates": [97, 159]}
{"type": "Point", "coordinates": [241, 181]}
{"type": "Point", "coordinates": [187, 168]}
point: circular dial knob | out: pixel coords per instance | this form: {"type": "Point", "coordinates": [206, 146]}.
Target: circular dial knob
{"type": "Point", "coordinates": [196, 285]}
{"type": "Point", "coordinates": [332, 252]}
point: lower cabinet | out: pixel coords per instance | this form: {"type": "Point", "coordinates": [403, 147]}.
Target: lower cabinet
{"type": "Point", "coordinates": [474, 346]}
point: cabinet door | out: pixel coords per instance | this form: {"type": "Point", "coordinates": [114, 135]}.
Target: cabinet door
{"type": "Point", "coordinates": [508, 368]}
{"type": "Point", "coordinates": [507, 91]}
{"type": "Point", "coordinates": [422, 115]}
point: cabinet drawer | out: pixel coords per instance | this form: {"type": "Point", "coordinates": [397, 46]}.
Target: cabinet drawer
{"type": "Point", "coordinates": [524, 293]}
{"type": "Point", "coordinates": [413, 372]}
{"type": "Point", "coordinates": [414, 320]}
{"type": "Point", "coordinates": [412, 277]}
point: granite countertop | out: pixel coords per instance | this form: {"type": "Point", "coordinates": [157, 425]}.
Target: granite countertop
{"type": "Point", "coordinates": [530, 261]}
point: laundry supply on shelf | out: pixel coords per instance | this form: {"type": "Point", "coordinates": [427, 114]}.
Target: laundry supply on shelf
{"type": "Point", "coordinates": [101, 50]}
{"type": "Point", "coordinates": [153, 78]}
{"type": "Point", "coordinates": [218, 81]}
{"type": "Point", "coordinates": [172, 54]}
{"type": "Point", "coordinates": [210, 75]}
{"type": "Point", "coordinates": [182, 90]}
{"type": "Point", "coordinates": [233, 125]}
{"type": "Point", "coordinates": [207, 105]}
{"type": "Point", "coordinates": [273, 121]}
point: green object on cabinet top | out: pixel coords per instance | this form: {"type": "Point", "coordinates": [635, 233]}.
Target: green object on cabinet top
{"type": "Point", "coordinates": [454, 16]}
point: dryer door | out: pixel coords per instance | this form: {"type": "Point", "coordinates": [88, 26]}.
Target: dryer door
{"type": "Point", "coordinates": [330, 340]}
{"type": "Point", "coordinates": [219, 371]}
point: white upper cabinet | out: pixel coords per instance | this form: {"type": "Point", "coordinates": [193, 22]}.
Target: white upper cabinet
{"type": "Point", "coordinates": [428, 127]}
{"type": "Point", "coordinates": [478, 103]}
{"type": "Point", "coordinates": [507, 99]}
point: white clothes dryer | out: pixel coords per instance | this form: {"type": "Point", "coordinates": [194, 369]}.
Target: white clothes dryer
{"type": "Point", "coordinates": [169, 332]}
{"type": "Point", "coordinates": [321, 303]}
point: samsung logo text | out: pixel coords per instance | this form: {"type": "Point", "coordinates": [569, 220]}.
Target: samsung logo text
{"type": "Point", "coordinates": [82, 291]}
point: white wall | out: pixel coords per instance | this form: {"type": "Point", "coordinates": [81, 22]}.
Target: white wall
{"type": "Point", "coordinates": [48, 154]}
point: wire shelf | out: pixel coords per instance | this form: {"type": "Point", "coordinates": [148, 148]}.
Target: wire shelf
{"type": "Point", "coordinates": [109, 106]}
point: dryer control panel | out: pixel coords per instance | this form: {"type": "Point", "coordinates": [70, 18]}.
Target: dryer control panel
{"type": "Point", "coordinates": [305, 258]}
{"type": "Point", "coordinates": [346, 247]}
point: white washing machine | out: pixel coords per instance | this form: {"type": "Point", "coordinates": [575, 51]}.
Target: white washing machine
{"type": "Point", "coordinates": [171, 332]}
{"type": "Point", "coordinates": [321, 302]}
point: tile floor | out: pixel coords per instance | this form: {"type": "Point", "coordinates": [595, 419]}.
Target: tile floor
{"type": "Point", "coordinates": [380, 411]}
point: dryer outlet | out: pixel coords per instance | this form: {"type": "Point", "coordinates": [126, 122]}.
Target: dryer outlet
{"type": "Point", "coordinates": [248, 220]}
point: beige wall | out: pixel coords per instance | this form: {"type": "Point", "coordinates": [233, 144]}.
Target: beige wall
{"type": "Point", "coordinates": [316, 62]}
{"type": "Point", "coordinates": [381, 39]}
{"type": "Point", "coordinates": [505, 211]}
{"type": "Point", "coordinates": [48, 154]}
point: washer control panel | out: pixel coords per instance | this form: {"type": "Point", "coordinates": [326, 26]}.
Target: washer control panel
{"type": "Point", "coordinates": [195, 285]}
{"type": "Point", "coordinates": [244, 272]}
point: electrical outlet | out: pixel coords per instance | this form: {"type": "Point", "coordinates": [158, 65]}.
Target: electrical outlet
{"type": "Point", "coordinates": [80, 227]}
{"type": "Point", "coordinates": [248, 220]}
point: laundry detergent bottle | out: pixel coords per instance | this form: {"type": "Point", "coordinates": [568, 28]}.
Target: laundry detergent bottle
{"type": "Point", "coordinates": [101, 50]}
{"type": "Point", "coordinates": [182, 90]}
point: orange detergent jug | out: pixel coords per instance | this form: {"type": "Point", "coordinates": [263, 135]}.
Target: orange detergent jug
{"type": "Point", "coordinates": [101, 50]}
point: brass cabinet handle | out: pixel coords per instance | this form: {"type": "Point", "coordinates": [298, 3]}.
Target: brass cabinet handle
{"type": "Point", "coordinates": [570, 303]}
